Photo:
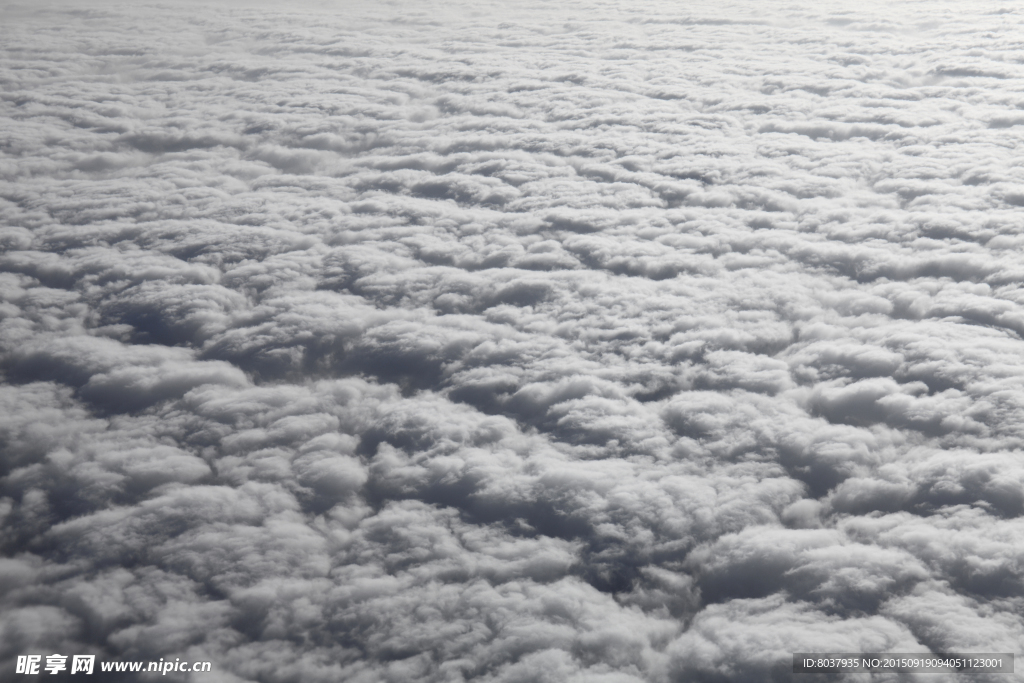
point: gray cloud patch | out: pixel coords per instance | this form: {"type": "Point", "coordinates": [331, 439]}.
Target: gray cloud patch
{"type": "Point", "coordinates": [451, 343]}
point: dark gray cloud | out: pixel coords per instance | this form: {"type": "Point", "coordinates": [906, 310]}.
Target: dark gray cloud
{"type": "Point", "coordinates": [531, 343]}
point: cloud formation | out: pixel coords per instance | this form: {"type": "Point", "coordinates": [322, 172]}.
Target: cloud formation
{"type": "Point", "coordinates": [609, 343]}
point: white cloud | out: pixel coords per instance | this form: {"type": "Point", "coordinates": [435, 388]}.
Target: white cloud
{"type": "Point", "coordinates": [521, 343]}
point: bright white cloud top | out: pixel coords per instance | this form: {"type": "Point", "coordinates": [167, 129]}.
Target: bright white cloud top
{"type": "Point", "coordinates": [604, 342]}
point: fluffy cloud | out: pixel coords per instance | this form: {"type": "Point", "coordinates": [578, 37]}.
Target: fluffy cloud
{"type": "Point", "coordinates": [445, 342]}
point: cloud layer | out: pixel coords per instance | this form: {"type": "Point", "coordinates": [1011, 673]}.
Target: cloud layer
{"type": "Point", "coordinates": [417, 342]}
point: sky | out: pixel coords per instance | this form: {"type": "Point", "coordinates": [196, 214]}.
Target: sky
{"type": "Point", "coordinates": [521, 342]}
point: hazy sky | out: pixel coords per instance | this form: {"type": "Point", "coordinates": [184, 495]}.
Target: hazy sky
{"type": "Point", "coordinates": [599, 341]}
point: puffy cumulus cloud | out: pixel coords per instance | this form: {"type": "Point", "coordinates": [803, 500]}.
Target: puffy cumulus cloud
{"type": "Point", "coordinates": [442, 342]}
